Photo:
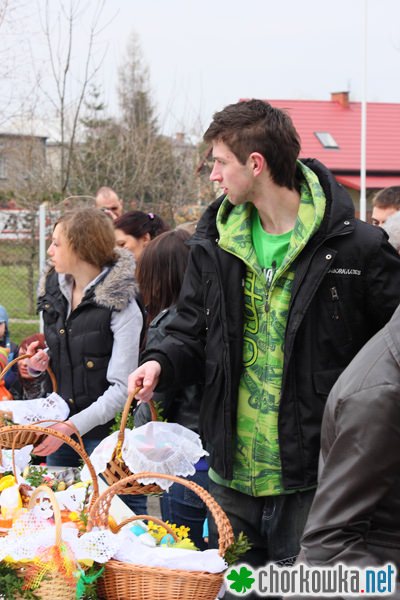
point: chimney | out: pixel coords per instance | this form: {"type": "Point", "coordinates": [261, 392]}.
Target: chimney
{"type": "Point", "coordinates": [341, 98]}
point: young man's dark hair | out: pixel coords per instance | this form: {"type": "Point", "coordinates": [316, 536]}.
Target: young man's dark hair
{"type": "Point", "coordinates": [385, 203]}
{"type": "Point", "coordinates": [389, 196]}
{"type": "Point", "coordinates": [256, 126]}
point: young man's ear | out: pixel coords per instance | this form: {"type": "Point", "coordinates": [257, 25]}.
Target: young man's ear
{"type": "Point", "coordinates": [257, 163]}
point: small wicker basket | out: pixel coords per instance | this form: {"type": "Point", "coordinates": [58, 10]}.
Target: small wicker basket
{"type": "Point", "coordinates": [116, 469]}
{"type": "Point", "coordinates": [14, 431]}
{"type": "Point", "coordinates": [126, 581]}
{"type": "Point", "coordinates": [53, 586]}
{"type": "Point", "coordinates": [27, 437]}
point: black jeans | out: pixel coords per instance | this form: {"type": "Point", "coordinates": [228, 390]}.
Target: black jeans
{"type": "Point", "coordinates": [273, 524]}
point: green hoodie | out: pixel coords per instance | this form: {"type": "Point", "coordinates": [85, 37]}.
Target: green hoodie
{"type": "Point", "coordinates": [256, 461]}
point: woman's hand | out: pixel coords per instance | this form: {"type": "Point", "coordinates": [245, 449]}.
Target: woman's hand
{"type": "Point", "coordinates": [50, 444]}
{"type": "Point", "coordinates": [39, 361]}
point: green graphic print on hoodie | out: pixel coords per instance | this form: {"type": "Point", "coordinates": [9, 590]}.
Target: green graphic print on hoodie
{"type": "Point", "coordinates": [256, 465]}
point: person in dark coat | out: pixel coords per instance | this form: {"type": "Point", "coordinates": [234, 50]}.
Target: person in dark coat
{"type": "Point", "coordinates": [160, 272]}
{"type": "Point", "coordinates": [92, 326]}
{"type": "Point", "coordinates": [27, 387]}
{"type": "Point", "coordinates": [355, 516]}
{"type": "Point", "coordinates": [284, 286]}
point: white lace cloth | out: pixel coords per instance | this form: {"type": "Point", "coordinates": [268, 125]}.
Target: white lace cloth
{"type": "Point", "coordinates": [22, 458]}
{"type": "Point", "coordinates": [31, 534]}
{"type": "Point", "coordinates": [28, 412]}
{"type": "Point", "coordinates": [156, 446]}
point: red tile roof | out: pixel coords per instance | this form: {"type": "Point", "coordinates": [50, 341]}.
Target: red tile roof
{"type": "Point", "coordinates": [373, 182]}
{"type": "Point", "coordinates": [344, 124]}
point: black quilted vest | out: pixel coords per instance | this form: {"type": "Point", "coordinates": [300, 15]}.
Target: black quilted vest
{"type": "Point", "coordinates": [80, 348]}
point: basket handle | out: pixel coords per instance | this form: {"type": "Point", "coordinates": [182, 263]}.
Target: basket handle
{"type": "Point", "coordinates": [56, 509]}
{"type": "Point", "coordinates": [18, 358]}
{"type": "Point", "coordinates": [99, 511]}
{"type": "Point", "coordinates": [146, 518]}
{"type": "Point", "coordinates": [17, 429]}
{"type": "Point", "coordinates": [125, 414]}
{"type": "Point", "coordinates": [16, 437]}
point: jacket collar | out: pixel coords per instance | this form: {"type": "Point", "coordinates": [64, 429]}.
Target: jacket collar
{"type": "Point", "coordinates": [114, 290]}
{"type": "Point", "coordinates": [339, 214]}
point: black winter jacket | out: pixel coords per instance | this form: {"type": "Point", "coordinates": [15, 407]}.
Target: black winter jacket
{"type": "Point", "coordinates": [355, 517]}
{"type": "Point", "coordinates": [346, 287]}
{"type": "Point", "coordinates": [179, 404]}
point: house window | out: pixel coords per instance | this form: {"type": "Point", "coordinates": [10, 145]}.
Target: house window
{"type": "Point", "coordinates": [326, 139]}
{"type": "Point", "coordinates": [3, 168]}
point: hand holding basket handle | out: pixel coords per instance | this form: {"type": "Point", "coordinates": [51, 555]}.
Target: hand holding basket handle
{"type": "Point", "coordinates": [144, 379]}
{"type": "Point", "coordinates": [29, 356]}
{"type": "Point", "coordinates": [116, 469]}
{"type": "Point", "coordinates": [50, 444]}
{"type": "Point", "coordinates": [38, 358]}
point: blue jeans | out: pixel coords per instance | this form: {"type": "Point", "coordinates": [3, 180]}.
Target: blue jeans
{"type": "Point", "coordinates": [273, 524]}
{"type": "Point", "coordinates": [183, 507]}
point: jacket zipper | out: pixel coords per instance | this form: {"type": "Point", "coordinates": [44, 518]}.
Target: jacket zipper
{"type": "Point", "coordinates": [203, 244]}
{"type": "Point", "coordinates": [335, 300]}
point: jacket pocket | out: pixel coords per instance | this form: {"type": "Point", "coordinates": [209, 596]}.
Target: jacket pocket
{"type": "Point", "coordinates": [49, 313]}
{"type": "Point", "coordinates": [95, 375]}
{"type": "Point", "coordinates": [324, 380]}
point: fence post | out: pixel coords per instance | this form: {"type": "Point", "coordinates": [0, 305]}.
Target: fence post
{"type": "Point", "coordinates": [42, 246]}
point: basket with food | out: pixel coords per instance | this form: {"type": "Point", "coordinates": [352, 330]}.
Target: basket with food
{"type": "Point", "coordinates": [175, 569]}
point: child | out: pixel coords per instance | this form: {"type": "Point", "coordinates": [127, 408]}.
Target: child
{"type": "Point", "coordinates": [6, 343]}
{"type": "Point", "coordinates": [4, 393]}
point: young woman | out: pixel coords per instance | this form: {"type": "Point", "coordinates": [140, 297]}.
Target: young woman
{"type": "Point", "coordinates": [135, 229]}
{"type": "Point", "coordinates": [92, 326]}
{"type": "Point", "coordinates": [160, 273]}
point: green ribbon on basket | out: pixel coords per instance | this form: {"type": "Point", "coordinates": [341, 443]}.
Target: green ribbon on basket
{"type": "Point", "coordinates": [86, 581]}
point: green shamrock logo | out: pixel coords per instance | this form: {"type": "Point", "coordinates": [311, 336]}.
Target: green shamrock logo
{"type": "Point", "coordinates": [242, 580]}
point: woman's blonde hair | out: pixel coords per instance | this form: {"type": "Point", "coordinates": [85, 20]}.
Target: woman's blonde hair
{"type": "Point", "coordinates": [90, 233]}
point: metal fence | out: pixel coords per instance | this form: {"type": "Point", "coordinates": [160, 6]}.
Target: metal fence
{"type": "Point", "coordinates": [24, 235]}
{"type": "Point", "coordinates": [20, 244]}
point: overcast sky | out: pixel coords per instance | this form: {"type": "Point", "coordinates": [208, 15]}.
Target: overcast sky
{"type": "Point", "coordinates": [205, 54]}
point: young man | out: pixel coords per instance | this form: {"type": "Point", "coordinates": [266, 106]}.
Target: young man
{"type": "Point", "coordinates": [385, 203]}
{"type": "Point", "coordinates": [283, 288]}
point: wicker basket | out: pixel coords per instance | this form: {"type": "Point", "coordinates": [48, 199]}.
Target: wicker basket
{"type": "Point", "coordinates": [27, 437]}
{"type": "Point", "coordinates": [116, 469]}
{"type": "Point", "coordinates": [14, 431]}
{"type": "Point", "coordinates": [53, 586]}
{"type": "Point", "coordinates": [126, 581]}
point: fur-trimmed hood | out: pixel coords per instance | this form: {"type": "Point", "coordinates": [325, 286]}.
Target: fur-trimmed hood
{"type": "Point", "coordinates": [114, 289]}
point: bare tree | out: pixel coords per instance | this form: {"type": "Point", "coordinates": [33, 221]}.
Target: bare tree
{"type": "Point", "coordinates": [130, 154]}
{"type": "Point", "coordinates": [70, 86]}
